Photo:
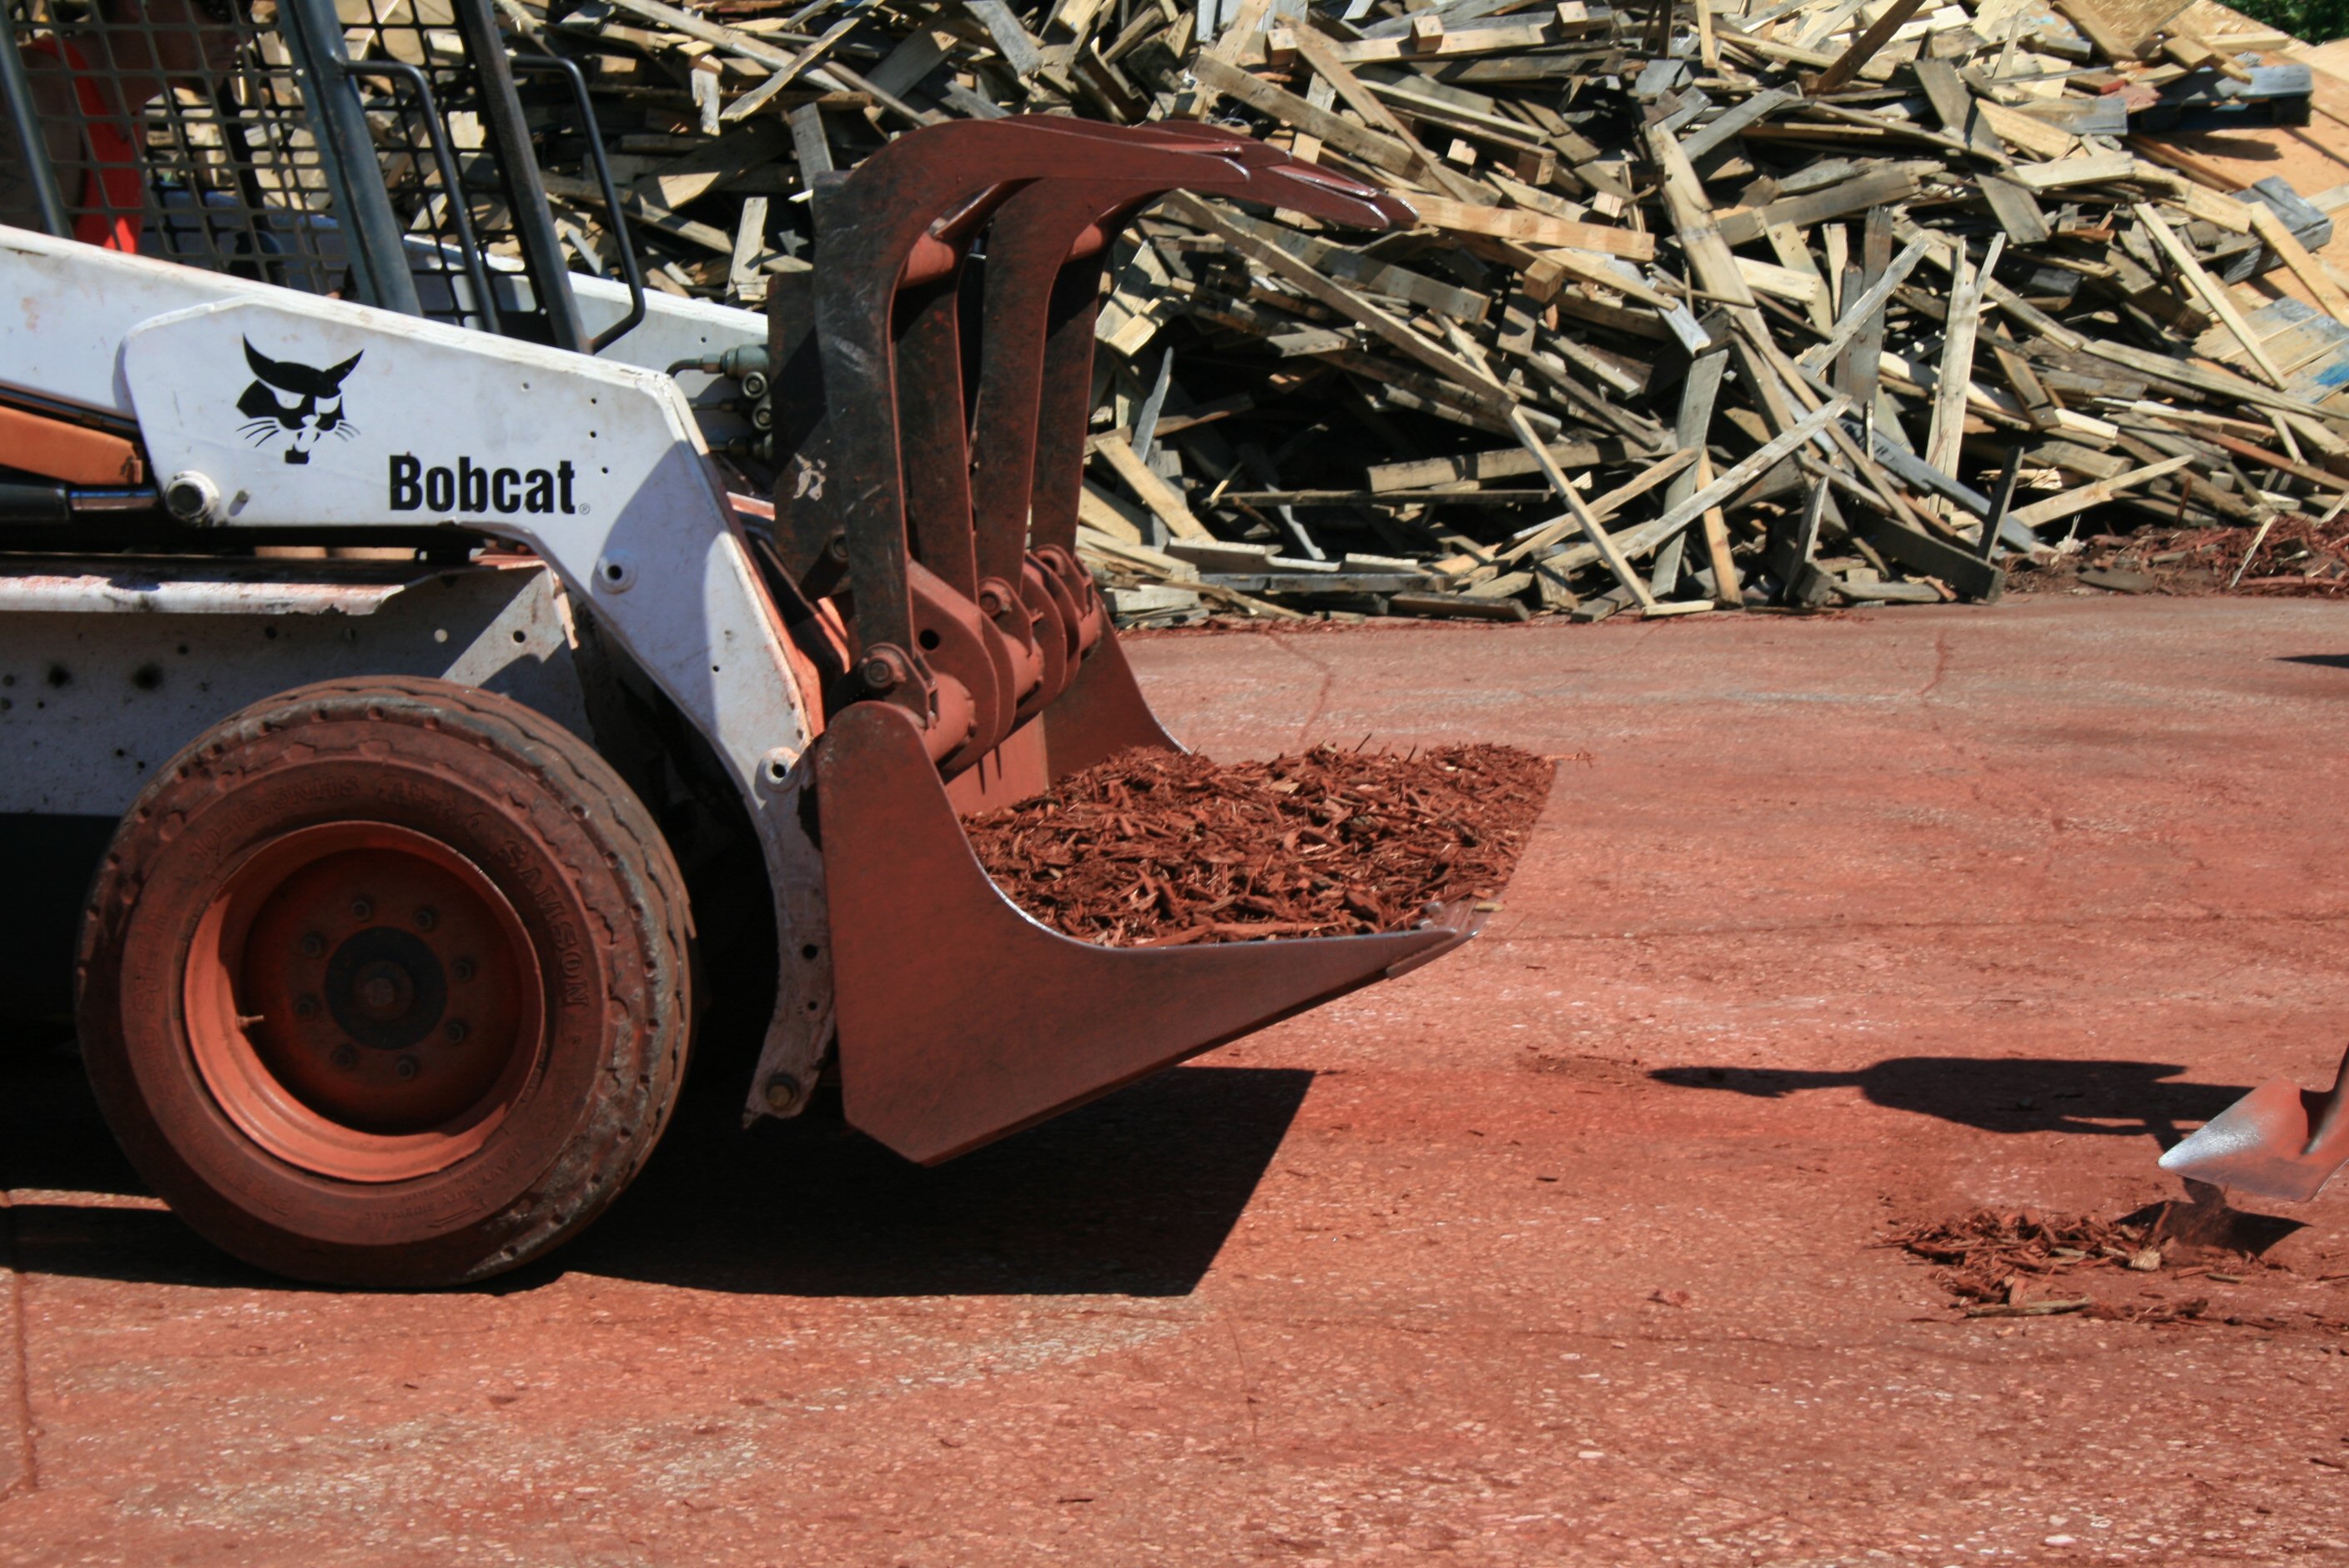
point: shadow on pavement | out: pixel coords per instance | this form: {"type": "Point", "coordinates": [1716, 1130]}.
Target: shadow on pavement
{"type": "Point", "coordinates": [52, 1138]}
{"type": "Point", "coordinates": [2012, 1094]}
{"type": "Point", "coordinates": [2205, 1222]}
{"type": "Point", "coordinates": [2330, 661]}
{"type": "Point", "coordinates": [1132, 1195]}
{"type": "Point", "coordinates": [76, 1206]}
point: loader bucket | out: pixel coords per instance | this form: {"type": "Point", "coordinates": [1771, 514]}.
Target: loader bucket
{"type": "Point", "coordinates": [962, 1019]}
{"type": "Point", "coordinates": [2278, 1142]}
{"type": "Point", "coordinates": [930, 518]}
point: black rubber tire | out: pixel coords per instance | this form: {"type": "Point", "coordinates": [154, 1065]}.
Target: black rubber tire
{"type": "Point", "coordinates": [549, 824]}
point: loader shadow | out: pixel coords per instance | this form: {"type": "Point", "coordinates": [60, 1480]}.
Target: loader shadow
{"type": "Point", "coordinates": [52, 1138]}
{"type": "Point", "coordinates": [2003, 1095]}
{"type": "Point", "coordinates": [75, 1207]}
{"type": "Point", "coordinates": [1132, 1195]}
{"type": "Point", "coordinates": [2327, 661]}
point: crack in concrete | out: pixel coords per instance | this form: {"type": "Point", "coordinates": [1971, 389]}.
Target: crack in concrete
{"type": "Point", "coordinates": [1940, 665]}
{"type": "Point", "coordinates": [1320, 697]}
{"type": "Point", "coordinates": [1248, 1378]}
{"type": "Point", "coordinates": [2083, 922]}
{"type": "Point", "coordinates": [1987, 770]}
{"type": "Point", "coordinates": [29, 1479]}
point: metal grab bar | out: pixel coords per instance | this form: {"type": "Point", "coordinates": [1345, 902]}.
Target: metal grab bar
{"type": "Point", "coordinates": [443, 156]}
{"type": "Point", "coordinates": [629, 270]}
{"type": "Point", "coordinates": [17, 87]}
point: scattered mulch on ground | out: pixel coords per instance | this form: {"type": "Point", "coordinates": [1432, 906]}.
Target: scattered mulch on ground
{"type": "Point", "coordinates": [2301, 557]}
{"type": "Point", "coordinates": [1988, 1256]}
{"type": "Point", "coordinates": [1151, 849]}
{"type": "Point", "coordinates": [2024, 1263]}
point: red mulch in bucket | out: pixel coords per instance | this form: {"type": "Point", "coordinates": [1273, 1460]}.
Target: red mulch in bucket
{"type": "Point", "coordinates": [1149, 848]}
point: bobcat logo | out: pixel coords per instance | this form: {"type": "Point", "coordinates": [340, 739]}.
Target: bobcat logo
{"type": "Point", "coordinates": [296, 401]}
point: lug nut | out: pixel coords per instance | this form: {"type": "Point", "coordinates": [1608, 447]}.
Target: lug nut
{"type": "Point", "coordinates": [406, 1068]}
{"type": "Point", "coordinates": [462, 969]}
{"type": "Point", "coordinates": [347, 1055]}
{"type": "Point", "coordinates": [427, 918]}
{"type": "Point", "coordinates": [314, 946]}
{"type": "Point", "coordinates": [457, 1031]}
{"type": "Point", "coordinates": [362, 909]}
{"type": "Point", "coordinates": [306, 1007]}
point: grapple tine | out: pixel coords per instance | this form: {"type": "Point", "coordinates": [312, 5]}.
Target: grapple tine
{"type": "Point", "coordinates": [1045, 254]}
{"type": "Point", "coordinates": [2278, 1142]}
{"type": "Point", "coordinates": [1043, 265]}
{"type": "Point", "coordinates": [930, 415]}
{"type": "Point", "coordinates": [958, 637]}
{"type": "Point", "coordinates": [1027, 253]}
{"type": "Point", "coordinates": [901, 223]}
{"type": "Point", "coordinates": [1063, 413]}
{"type": "Point", "coordinates": [1281, 179]}
{"type": "Point", "coordinates": [1266, 176]}
{"type": "Point", "coordinates": [961, 1019]}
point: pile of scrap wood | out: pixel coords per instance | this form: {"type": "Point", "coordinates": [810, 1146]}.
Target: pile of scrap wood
{"type": "Point", "coordinates": [1800, 303]}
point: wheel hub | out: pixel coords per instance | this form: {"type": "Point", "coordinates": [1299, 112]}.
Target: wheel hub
{"type": "Point", "coordinates": [363, 1001]}
{"type": "Point", "coordinates": [384, 987]}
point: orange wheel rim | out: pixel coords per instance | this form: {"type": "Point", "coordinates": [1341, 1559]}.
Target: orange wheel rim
{"type": "Point", "coordinates": [363, 1002]}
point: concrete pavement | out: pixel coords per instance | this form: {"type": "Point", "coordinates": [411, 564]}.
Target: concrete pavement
{"type": "Point", "coordinates": [1564, 1249]}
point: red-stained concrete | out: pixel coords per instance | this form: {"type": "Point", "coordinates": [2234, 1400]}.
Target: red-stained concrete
{"type": "Point", "coordinates": [1561, 1250]}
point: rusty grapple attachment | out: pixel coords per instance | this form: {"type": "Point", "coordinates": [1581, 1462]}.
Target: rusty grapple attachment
{"type": "Point", "coordinates": [933, 391]}
{"type": "Point", "coordinates": [2278, 1142]}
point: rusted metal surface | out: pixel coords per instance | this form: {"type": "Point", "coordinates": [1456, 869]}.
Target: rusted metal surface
{"type": "Point", "coordinates": [168, 586]}
{"type": "Point", "coordinates": [890, 466]}
{"type": "Point", "coordinates": [962, 1019]}
{"type": "Point", "coordinates": [1100, 714]}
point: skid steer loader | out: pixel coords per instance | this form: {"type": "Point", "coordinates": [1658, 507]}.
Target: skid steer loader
{"type": "Point", "coordinates": [377, 614]}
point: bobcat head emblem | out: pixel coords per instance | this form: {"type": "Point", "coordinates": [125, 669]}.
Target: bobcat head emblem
{"type": "Point", "coordinates": [296, 401]}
